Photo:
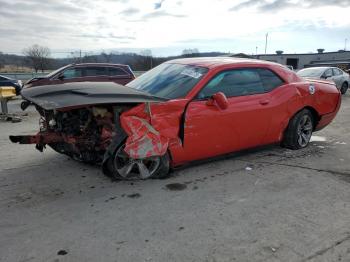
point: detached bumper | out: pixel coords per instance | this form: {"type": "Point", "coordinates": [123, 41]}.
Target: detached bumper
{"type": "Point", "coordinates": [42, 139]}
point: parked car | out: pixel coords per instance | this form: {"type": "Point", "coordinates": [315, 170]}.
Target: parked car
{"type": "Point", "coordinates": [93, 72]}
{"type": "Point", "coordinates": [340, 78]}
{"type": "Point", "coordinates": [6, 81]}
{"type": "Point", "coordinates": [181, 111]}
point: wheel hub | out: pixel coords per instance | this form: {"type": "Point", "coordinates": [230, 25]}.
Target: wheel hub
{"type": "Point", "coordinates": [130, 168]}
{"type": "Point", "coordinates": [305, 128]}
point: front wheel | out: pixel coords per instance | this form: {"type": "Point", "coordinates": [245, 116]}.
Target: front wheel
{"type": "Point", "coordinates": [344, 88]}
{"type": "Point", "coordinates": [299, 130]}
{"type": "Point", "coordinates": [124, 167]}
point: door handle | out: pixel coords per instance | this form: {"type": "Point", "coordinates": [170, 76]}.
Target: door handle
{"type": "Point", "coordinates": [264, 102]}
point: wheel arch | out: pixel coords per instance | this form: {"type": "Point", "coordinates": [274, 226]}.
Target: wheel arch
{"type": "Point", "coordinates": [316, 116]}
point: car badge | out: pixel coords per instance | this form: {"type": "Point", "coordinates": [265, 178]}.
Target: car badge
{"type": "Point", "coordinates": [312, 89]}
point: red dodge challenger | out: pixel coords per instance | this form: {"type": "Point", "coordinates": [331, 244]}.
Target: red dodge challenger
{"type": "Point", "coordinates": [181, 111]}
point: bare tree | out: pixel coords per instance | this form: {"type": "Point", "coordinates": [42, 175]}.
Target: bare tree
{"type": "Point", "coordinates": [190, 52]}
{"type": "Point", "coordinates": [107, 57]}
{"type": "Point", "coordinates": [148, 59]}
{"type": "Point", "coordinates": [38, 56]}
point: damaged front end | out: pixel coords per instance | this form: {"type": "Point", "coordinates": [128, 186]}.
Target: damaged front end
{"type": "Point", "coordinates": [89, 121]}
{"type": "Point", "coordinates": [81, 133]}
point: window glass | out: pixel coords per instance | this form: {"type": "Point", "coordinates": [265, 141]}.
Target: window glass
{"type": "Point", "coordinates": [95, 71]}
{"type": "Point", "coordinates": [311, 72]}
{"type": "Point", "coordinates": [328, 73]}
{"type": "Point", "coordinates": [336, 72]}
{"type": "Point", "coordinates": [269, 79]}
{"type": "Point", "coordinates": [169, 80]}
{"type": "Point", "coordinates": [72, 73]}
{"type": "Point", "coordinates": [114, 71]}
{"type": "Point", "coordinates": [239, 82]}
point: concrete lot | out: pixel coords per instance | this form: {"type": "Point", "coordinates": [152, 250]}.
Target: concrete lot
{"type": "Point", "coordinates": [270, 204]}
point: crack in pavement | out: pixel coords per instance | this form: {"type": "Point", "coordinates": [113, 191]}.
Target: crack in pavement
{"type": "Point", "coordinates": [324, 250]}
{"type": "Point", "coordinates": [308, 168]}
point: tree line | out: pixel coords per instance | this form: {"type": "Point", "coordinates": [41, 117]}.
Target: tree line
{"type": "Point", "coordinates": [39, 58]}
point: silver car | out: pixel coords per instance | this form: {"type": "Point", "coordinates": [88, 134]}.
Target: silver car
{"type": "Point", "coordinates": [340, 78]}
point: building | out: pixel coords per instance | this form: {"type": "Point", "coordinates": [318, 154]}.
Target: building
{"type": "Point", "coordinates": [340, 59]}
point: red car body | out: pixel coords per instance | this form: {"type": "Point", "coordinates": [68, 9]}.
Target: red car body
{"type": "Point", "coordinates": [189, 128]}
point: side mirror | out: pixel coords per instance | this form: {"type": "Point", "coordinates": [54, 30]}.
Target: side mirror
{"type": "Point", "coordinates": [60, 77]}
{"type": "Point", "coordinates": [219, 99]}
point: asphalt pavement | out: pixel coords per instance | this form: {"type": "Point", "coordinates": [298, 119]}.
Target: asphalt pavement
{"type": "Point", "coordinates": [270, 204]}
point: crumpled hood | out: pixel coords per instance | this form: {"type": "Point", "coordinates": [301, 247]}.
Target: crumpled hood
{"type": "Point", "coordinates": [85, 93]}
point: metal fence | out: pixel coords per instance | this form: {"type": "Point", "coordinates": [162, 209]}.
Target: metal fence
{"type": "Point", "coordinates": [23, 76]}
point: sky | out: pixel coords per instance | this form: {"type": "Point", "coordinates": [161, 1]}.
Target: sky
{"type": "Point", "coordinates": [166, 27]}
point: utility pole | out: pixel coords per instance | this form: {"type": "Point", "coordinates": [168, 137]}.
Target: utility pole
{"type": "Point", "coordinates": [267, 35]}
{"type": "Point", "coordinates": [80, 55]}
{"type": "Point", "coordinates": [346, 43]}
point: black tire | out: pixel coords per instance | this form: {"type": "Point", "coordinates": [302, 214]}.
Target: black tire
{"type": "Point", "coordinates": [344, 88]}
{"type": "Point", "coordinates": [160, 171]}
{"type": "Point", "coordinates": [299, 130]}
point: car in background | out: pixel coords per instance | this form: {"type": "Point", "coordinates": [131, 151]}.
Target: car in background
{"type": "Point", "coordinates": [338, 76]}
{"type": "Point", "coordinates": [92, 72]}
{"type": "Point", "coordinates": [6, 81]}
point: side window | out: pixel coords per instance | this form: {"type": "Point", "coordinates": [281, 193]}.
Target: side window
{"type": "Point", "coordinates": [269, 79]}
{"type": "Point", "coordinates": [238, 82]}
{"type": "Point", "coordinates": [114, 71]}
{"type": "Point", "coordinates": [328, 73]}
{"type": "Point", "coordinates": [72, 73]}
{"type": "Point", "coordinates": [95, 71]}
{"type": "Point", "coordinates": [336, 72]}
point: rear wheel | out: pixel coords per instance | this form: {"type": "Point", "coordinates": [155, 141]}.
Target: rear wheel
{"type": "Point", "coordinates": [344, 88]}
{"type": "Point", "coordinates": [299, 130]}
{"type": "Point", "coordinates": [124, 167]}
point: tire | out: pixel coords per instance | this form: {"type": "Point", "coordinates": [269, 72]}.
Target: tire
{"type": "Point", "coordinates": [299, 130]}
{"type": "Point", "coordinates": [344, 88]}
{"type": "Point", "coordinates": [122, 167]}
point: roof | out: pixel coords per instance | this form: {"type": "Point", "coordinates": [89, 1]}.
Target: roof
{"type": "Point", "coordinates": [98, 64]}
{"type": "Point", "coordinates": [315, 54]}
{"type": "Point", "coordinates": [211, 62]}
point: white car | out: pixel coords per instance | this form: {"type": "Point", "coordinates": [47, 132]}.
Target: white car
{"type": "Point", "coordinates": [340, 78]}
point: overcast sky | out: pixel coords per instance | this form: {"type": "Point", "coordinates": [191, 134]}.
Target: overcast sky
{"type": "Point", "coordinates": [169, 26]}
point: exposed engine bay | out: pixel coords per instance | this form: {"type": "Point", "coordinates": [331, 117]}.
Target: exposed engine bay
{"type": "Point", "coordinates": [83, 133]}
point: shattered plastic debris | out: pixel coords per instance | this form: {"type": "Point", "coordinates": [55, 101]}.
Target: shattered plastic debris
{"type": "Point", "coordinates": [318, 139]}
{"type": "Point", "coordinates": [340, 143]}
{"type": "Point", "coordinates": [248, 168]}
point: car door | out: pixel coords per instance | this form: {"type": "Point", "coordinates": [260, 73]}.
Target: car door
{"type": "Point", "coordinates": [210, 131]}
{"type": "Point", "coordinates": [118, 75]}
{"type": "Point", "coordinates": [338, 77]}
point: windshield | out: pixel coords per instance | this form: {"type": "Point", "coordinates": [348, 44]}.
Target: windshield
{"type": "Point", "coordinates": [311, 72]}
{"type": "Point", "coordinates": [56, 71]}
{"type": "Point", "coordinates": [169, 80]}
